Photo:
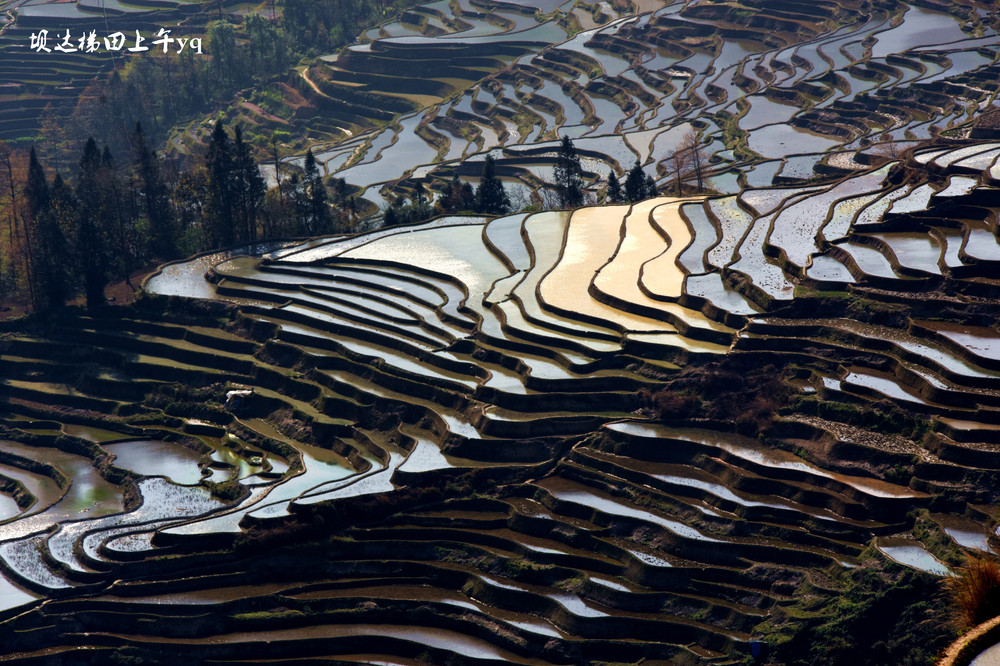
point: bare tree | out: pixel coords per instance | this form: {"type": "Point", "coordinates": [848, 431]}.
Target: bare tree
{"type": "Point", "coordinates": [676, 166]}
{"type": "Point", "coordinates": [277, 165]}
{"type": "Point", "coordinates": [17, 234]}
{"type": "Point", "coordinates": [693, 156]}
{"type": "Point", "coordinates": [687, 162]}
{"type": "Point", "coordinates": [888, 148]}
{"type": "Point", "coordinates": [550, 199]}
{"type": "Point", "coordinates": [519, 199]}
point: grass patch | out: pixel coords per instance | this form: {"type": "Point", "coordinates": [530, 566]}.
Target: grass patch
{"type": "Point", "coordinates": [880, 613]}
{"type": "Point", "coordinates": [975, 592]}
{"type": "Point", "coordinates": [882, 416]}
{"type": "Point", "coordinates": [268, 616]}
{"type": "Point", "coordinates": [844, 304]}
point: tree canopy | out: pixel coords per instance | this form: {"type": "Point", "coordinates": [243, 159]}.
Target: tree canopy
{"type": "Point", "coordinates": [569, 176]}
{"type": "Point", "coordinates": [491, 196]}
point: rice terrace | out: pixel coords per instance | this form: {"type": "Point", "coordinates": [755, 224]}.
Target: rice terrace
{"type": "Point", "coordinates": [497, 331]}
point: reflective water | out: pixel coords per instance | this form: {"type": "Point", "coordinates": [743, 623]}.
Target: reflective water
{"type": "Point", "coordinates": [916, 557]}
{"type": "Point", "coordinates": [152, 457]}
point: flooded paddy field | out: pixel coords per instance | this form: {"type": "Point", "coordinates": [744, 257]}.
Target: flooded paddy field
{"type": "Point", "coordinates": [466, 407]}
{"type": "Point", "coordinates": [618, 433]}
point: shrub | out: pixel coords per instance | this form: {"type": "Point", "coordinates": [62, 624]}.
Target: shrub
{"type": "Point", "coordinates": [668, 404]}
{"type": "Point", "coordinates": [975, 591]}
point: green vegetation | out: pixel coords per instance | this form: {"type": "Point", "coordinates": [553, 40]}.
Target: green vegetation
{"type": "Point", "coordinates": [883, 417]}
{"type": "Point", "coordinates": [118, 218]}
{"type": "Point", "coordinates": [849, 304]}
{"type": "Point", "coordinates": [161, 91]}
{"type": "Point", "coordinates": [638, 185]}
{"type": "Point", "coordinates": [491, 196]}
{"type": "Point", "coordinates": [569, 176]}
{"type": "Point", "coordinates": [882, 613]}
{"type": "Point", "coordinates": [615, 475]}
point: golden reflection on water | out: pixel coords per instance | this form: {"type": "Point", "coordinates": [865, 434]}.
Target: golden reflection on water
{"type": "Point", "coordinates": [591, 240]}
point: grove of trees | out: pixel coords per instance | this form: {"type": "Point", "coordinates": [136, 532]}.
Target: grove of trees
{"type": "Point", "coordinates": [162, 90]}
{"type": "Point", "coordinates": [61, 238]}
{"type": "Point", "coordinates": [489, 198]}
{"type": "Point", "coordinates": [569, 176]}
{"type": "Point", "coordinates": [120, 211]}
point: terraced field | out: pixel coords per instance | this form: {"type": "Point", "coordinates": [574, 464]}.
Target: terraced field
{"type": "Point", "coordinates": [662, 431]}
{"type": "Point", "coordinates": [774, 95]}
{"type": "Point", "coordinates": [454, 420]}
{"type": "Point", "coordinates": [33, 81]}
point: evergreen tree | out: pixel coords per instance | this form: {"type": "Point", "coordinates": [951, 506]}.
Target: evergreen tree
{"type": "Point", "coordinates": [225, 54]}
{"type": "Point", "coordinates": [36, 190]}
{"type": "Point", "coordinates": [614, 193]}
{"type": "Point", "coordinates": [60, 219]}
{"type": "Point", "coordinates": [344, 205]}
{"type": "Point", "coordinates": [318, 216]}
{"type": "Point", "coordinates": [188, 198]}
{"type": "Point", "coordinates": [267, 51]}
{"type": "Point", "coordinates": [156, 199]}
{"type": "Point", "coordinates": [650, 188]}
{"type": "Point", "coordinates": [95, 220]}
{"type": "Point", "coordinates": [635, 184]}
{"type": "Point", "coordinates": [569, 176]}
{"type": "Point", "coordinates": [47, 243]}
{"type": "Point", "coordinates": [391, 217]}
{"type": "Point", "coordinates": [457, 196]}
{"type": "Point", "coordinates": [126, 244]}
{"type": "Point", "coordinates": [298, 207]}
{"type": "Point", "coordinates": [36, 196]}
{"type": "Point", "coordinates": [250, 188]}
{"type": "Point", "coordinates": [340, 197]}
{"type": "Point", "coordinates": [221, 205]}
{"type": "Point", "coordinates": [491, 196]}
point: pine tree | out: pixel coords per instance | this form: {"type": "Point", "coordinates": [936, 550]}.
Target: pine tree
{"type": "Point", "coordinates": [298, 207]}
{"type": "Point", "coordinates": [318, 217]}
{"type": "Point", "coordinates": [456, 196]}
{"type": "Point", "coordinates": [343, 205]}
{"type": "Point", "coordinates": [650, 187]}
{"type": "Point", "coordinates": [614, 193]}
{"type": "Point", "coordinates": [491, 197]}
{"type": "Point", "coordinates": [156, 199]}
{"type": "Point", "coordinates": [46, 240]}
{"type": "Point", "coordinates": [189, 197]}
{"type": "Point", "coordinates": [52, 230]}
{"type": "Point", "coordinates": [221, 205]}
{"type": "Point", "coordinates": [635, 184]}
{"type": "Point", "coordinates": [36, 190]}
{"type": "Point", "coordinates": [90, 242]}
{"type": "Point", "coordinates": [36, 195]}
{"type": "Point", "coordinates": [250, 187]}
{"type": "Point", "coordinates": [123, 231]}
{"type": "Point", "coordinates": [569, 176]}
{"type": "Point", "coordinates": [391, 218]}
